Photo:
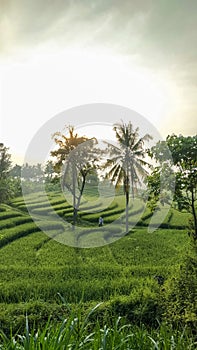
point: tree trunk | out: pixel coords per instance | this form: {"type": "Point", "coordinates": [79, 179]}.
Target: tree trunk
{"type": "Point", "coordinates": [126, 188]}
{"type": "Point", "coordinates": [74, 196]}
{"type": "Point", "coordinates": [81, 191]}
{"type": "Point", "coordinates": [127, 211]}
{"type": "Point", "coordinates": [74, 216]}
{"type": "Point", "coordinates": [76, 204]}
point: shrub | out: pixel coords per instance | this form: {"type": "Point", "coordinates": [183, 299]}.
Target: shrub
{"type": "Point", "coordinates": [181, 296]}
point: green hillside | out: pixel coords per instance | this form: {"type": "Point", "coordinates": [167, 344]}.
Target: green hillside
{"type": "Point", "coordinates": [36, 269]}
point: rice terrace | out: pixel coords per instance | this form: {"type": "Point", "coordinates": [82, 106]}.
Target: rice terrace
{"type": "Point", "coordinates": [118, 284]}
{"type": "Point", "coordinates": [98, 175]}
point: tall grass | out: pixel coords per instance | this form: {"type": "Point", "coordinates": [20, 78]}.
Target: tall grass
{"type": "Point", "coordinates": [77, 331]}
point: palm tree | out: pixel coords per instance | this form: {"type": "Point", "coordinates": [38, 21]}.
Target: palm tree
{"type": "Point", "coordinates": [76, 156]}
{"type": "Point", "coordinates": [80, 163]}
{"type": "Point", "coordinates": [126, 163]}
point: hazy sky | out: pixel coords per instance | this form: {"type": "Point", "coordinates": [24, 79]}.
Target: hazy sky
{"type": "Point", "coordinates": [140, 54]}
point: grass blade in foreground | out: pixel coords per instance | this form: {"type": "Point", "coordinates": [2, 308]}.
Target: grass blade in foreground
{"type": "Point", "coordinates": [78, 332]}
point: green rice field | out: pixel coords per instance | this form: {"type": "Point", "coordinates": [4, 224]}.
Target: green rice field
{"type": "Point", "coordinates": [37, 272]}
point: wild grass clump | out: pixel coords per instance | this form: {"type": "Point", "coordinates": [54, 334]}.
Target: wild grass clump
{"type": "Point", "coordinates": [78, 332]}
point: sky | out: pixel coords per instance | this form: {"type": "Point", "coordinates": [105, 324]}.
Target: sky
{"type": "Point", "coordinates": [56, 55]}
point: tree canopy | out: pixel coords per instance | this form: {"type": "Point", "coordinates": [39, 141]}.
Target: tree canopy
{"type": "Point", "coordinates": [183, 163]}
{"type": "Point", "coordinates": [75, 159]}
{"type": "Point", "coordinates": [5, 166]}
{"type": "Point", "coordinates": [126, 163]}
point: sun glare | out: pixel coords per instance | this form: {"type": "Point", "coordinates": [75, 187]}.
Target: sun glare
{"type": "Point", "coordinates": [96, 77]}
{"type": "Point", "coordinates": [36, 89]}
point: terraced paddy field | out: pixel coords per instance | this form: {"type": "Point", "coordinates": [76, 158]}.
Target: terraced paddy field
{"type": "Point", "coordinates": [37, 272]}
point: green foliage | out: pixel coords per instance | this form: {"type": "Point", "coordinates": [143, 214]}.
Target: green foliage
{"type": "Point", "coordinates": [160, 185]}
{"type": "Point", "coordinates": [15, 171]}
{"type": "Point", "coordinates": [126, 162]}
{"type": "Point", "coordinates": [30, 177]}
{"type": "Point", "coordinates": [181, 302]}
{"type": "Point", "coordinates": [5, 190]}
{"type": "Point", "coordinates": [5, 185]}
{"type": "Point", "coordinates": [184, 154]}
{"type": "Point", "coordinates": [141, 307]}
{"type": "Point", "coordinates": [5, 161]}
{"type": "Point", "coordinates": [178, 155]}
{"type": "Point", "coordinates": [124, 275]}
{"type": "Point", "coordinates": [35, 267]}
{"type": "Point", "coordinates": [32, 172]}
{"type": "Point", "coordinates": [75, 160]}
{"type": "Point", "coordinates": [49, 172]}
{"type": "Point", "coordinates": [76, 331]}
{"type": "Point", "coordinates": [16, 187]}
{"type": "Point", "coordinates": [183, 150]}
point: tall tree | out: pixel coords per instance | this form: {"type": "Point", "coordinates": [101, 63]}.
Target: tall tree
{"type": "Point", "coordinates": [80, 164]}
{"type": "Point", "coordinates": [76, 158]}
{"type": "Point", "coordinates": [181, 298]}
{"type": "Point", "coordinates": [126, 164]}
{"type": "Point", "coordinates": [184, 154]}
{"type": "Point", "coordinates": [5, 164]}
{"type": "Point", "coordinates": [184, 166]}
{"type": "Point", "coordinates": [5, 161]}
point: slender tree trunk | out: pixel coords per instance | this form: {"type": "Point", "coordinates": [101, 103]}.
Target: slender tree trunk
{"type": "Point", "coordinates": [76, 204]}
{"type": "Point", "coordinates": [74, 216]}
{"type": "Point", "coordinates": [81, 192]}
{"type": "Point", "coordinates": [127, 211]}
{"type": "Point", "coordinates": [127, 195]}
{"type": "Point", "coordinates": [74, 195]}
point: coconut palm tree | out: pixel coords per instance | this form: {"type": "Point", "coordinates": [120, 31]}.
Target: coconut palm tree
{"type": "Point", "coordinates": [76, 158]}
{"type": "Point", "coordinates": [126, 164]}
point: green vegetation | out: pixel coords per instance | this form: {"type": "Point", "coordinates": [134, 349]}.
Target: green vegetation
{"type": "Point", "coordinates": [5, 165]}
{"type": "Point", "coordinates": [126, 162]}
{"type": "Point", "coordinates": [35, 268]}
{"type": "Point", "coordinates": [81, 156]}
{"type": "Point", "coordinates": [144, 282]}
{"type": "Point", "coordinates": [78, 332]}
{"type": "Point", "coordinates": [178, 173]}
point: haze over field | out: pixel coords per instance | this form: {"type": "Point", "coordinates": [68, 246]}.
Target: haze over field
{"type": "Point", "coordinates": [55, 55]}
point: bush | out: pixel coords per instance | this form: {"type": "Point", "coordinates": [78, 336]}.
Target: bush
{"type": "Point", "coordinates": [181, 296]}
